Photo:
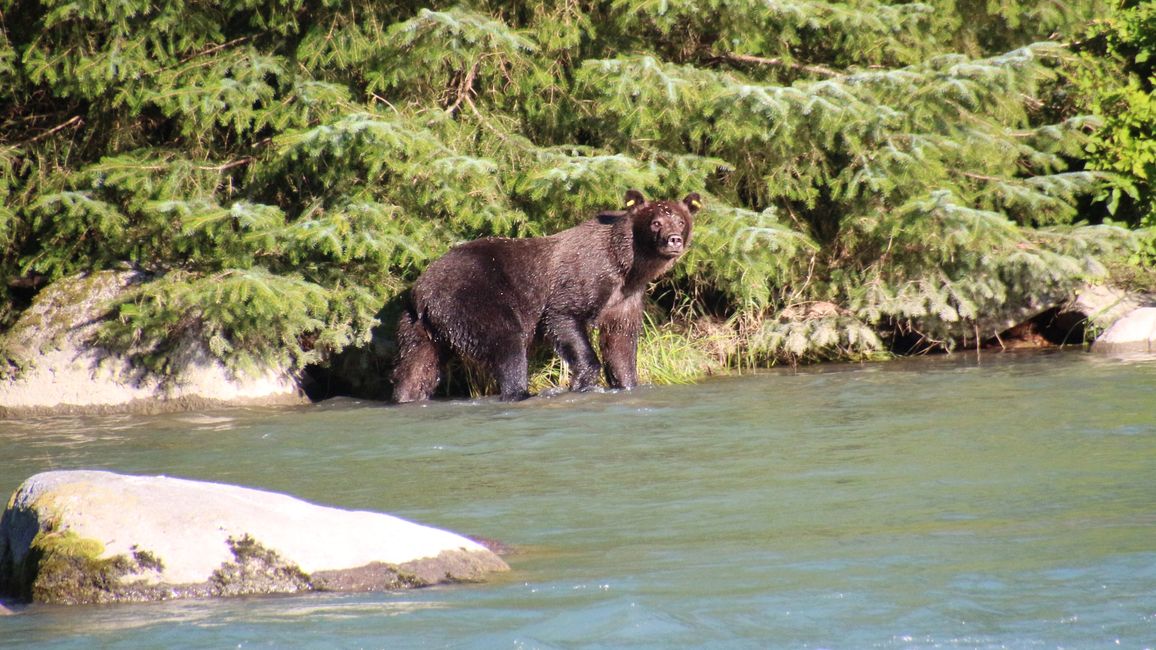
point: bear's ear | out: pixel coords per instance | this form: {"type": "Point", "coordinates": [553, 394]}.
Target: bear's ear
{"type": "Point", "coordinates": [634, 199]}
{"type": "Point", "coordinates": [693, 202]}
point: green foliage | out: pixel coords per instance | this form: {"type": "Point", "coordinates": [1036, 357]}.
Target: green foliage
{"type": "Point", "coordinates": [810, 332]}
{"type": "Point", "coordinates": [247, 317]}
{"type": "Point", "coordinates": [286, 167]}
{"type": "Point", "coordinates": [1116, 81]}
{"type": "Point", "coordinates": [667, 354]}
{"type": "Point", "coordinates": [1117, 84]}
{"type": "Point", "coordinates": [750, 257]}
{"type": "Point", "coordinates": [457, 54]}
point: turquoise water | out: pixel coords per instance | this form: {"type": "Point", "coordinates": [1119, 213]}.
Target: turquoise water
{"type": "Point", "coordinates": [1004, 501]}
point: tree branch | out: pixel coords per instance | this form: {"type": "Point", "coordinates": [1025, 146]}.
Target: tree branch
{"type": "Point", "coordinates": [75, 120]}
{"type": "Point", "coordinates": [464, 90]}
{"type": "Point", "coordinates": [226, 166]}
{"type": "Point", "coordinates": [779, 63]}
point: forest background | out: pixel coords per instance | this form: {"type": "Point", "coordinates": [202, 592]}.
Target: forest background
{"type": "Point", "coordinates": [878, 176]}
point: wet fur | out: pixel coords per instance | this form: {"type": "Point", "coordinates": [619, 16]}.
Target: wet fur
{"type": "Point", "coordinates": [489, 299]}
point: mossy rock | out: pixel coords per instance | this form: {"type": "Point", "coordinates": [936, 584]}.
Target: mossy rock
{"type": "Point", "coordinates": [69, 570]}
{"type": "Point", "coordinates": [71, 537]}
{"type": "Point", "coordinates": [52, 363]}
{"type": "Point", "coordinates": [257, 570]}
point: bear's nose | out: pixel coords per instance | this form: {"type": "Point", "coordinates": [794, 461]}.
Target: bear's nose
{"type": "Point", "coordinates": [675, 241]}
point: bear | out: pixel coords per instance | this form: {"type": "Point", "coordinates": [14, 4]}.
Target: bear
{"type": "Point", "coordinates": [489, 299]}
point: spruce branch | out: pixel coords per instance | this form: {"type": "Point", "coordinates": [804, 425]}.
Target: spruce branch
{"type": "Point", "coordinates": [75, 120]}
{"type": "Point", "coordinates": [209, 51]}
{"type": "Point", "coordinates": [464, 90]}
{"type": "Point", "coordinates": [777, 62]}
{"type": "Point", "coordinates": [247, 160]}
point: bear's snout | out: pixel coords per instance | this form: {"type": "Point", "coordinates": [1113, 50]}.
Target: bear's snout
{"type": "Point", "coordinates": [671, 245]}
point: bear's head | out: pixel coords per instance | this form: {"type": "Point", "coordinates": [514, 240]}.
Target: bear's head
{"type": "Point", "coordinates": [662, 228]}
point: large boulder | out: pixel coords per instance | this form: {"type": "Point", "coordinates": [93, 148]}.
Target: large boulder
{"type": "Point", "coordinates": [1135, 332]}
{"type": "Point", "coordinates": [72, 537]}
{"type": "Point", "coordinates": [1126, 321]}
{"type": "Point", "coordinates": [59, 369]}
{"type": "Point", "coordinates": [1096, 307]}
{"type": "Point", "coordinates": [1119, 315]}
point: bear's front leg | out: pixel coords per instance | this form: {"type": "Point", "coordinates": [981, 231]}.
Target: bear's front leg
{"type": "Point", "coordinates": [513, 382]}
{"type": "Point", "coordinates": [620, 352]}
{"type": "Point", "coordinates": [573, 345]}
{"type": "Point", "coordinates": [619, 326]}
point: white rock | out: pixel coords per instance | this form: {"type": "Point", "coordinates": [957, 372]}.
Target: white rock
{"type": "Point", "coordinates": [1101, 305]}
{"type": "Point", "coordinates": [1135, 332]}
{"type": "Point", "coordinates": [190, 528]}
{"type": "Point", "coordinates": [66, 373]}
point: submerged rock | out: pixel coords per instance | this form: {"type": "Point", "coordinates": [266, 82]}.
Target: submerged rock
{"type": "Point", "coordinates": [60, 370]}
{"type": "Point", "coordinates": [73, 537]}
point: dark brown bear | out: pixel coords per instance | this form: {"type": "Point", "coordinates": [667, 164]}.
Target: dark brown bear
{"type": "Point", "coordinates": [488, 299]}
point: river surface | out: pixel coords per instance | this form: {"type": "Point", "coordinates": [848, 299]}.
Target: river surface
{"type": "Point", "coordinates": [1004, 501]}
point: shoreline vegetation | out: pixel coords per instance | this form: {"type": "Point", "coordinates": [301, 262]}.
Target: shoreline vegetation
{"type": "Point", "coordinates": [878, 178]}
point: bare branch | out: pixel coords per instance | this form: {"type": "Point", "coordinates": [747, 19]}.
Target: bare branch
{"type": "Point", "coordinates": [74, 121]}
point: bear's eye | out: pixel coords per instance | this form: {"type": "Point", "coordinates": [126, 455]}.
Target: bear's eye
{"type": "Point", "coordinates": [656, 225]}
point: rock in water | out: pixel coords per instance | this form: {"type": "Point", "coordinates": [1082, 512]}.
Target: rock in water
{"type": "Point", "coordinates": [73, 537]}
{"type": "Point", "coordinates": [1134, 332]}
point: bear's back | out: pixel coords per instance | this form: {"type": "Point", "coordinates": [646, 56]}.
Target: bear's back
{"type": "Point", "coordinates": [521, 282]}
{"type": "Point", "coordinates": [493, 274]}
{"type": "Point", "coordinates": [590, 263]}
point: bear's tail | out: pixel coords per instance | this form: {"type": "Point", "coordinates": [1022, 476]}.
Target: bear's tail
{"type": "Point", "coordinates": [416, 374]}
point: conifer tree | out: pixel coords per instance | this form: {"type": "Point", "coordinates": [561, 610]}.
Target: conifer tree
{"type": "Point", "coordinates": [283, 168]}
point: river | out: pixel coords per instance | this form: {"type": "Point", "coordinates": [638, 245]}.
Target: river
{"type": "Point", "coordinates": [998, 501]}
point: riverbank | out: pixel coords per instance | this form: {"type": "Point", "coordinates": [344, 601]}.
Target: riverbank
{"type": "Point", "coordinates": [60, 362]}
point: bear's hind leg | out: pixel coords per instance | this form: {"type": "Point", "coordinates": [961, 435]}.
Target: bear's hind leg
{"type": "Point", "coordinates": [416, 374]}
{"type": "Point", "coordinates": [513, 377]}
{"type": "Point", "coordinates": [507, 363]}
